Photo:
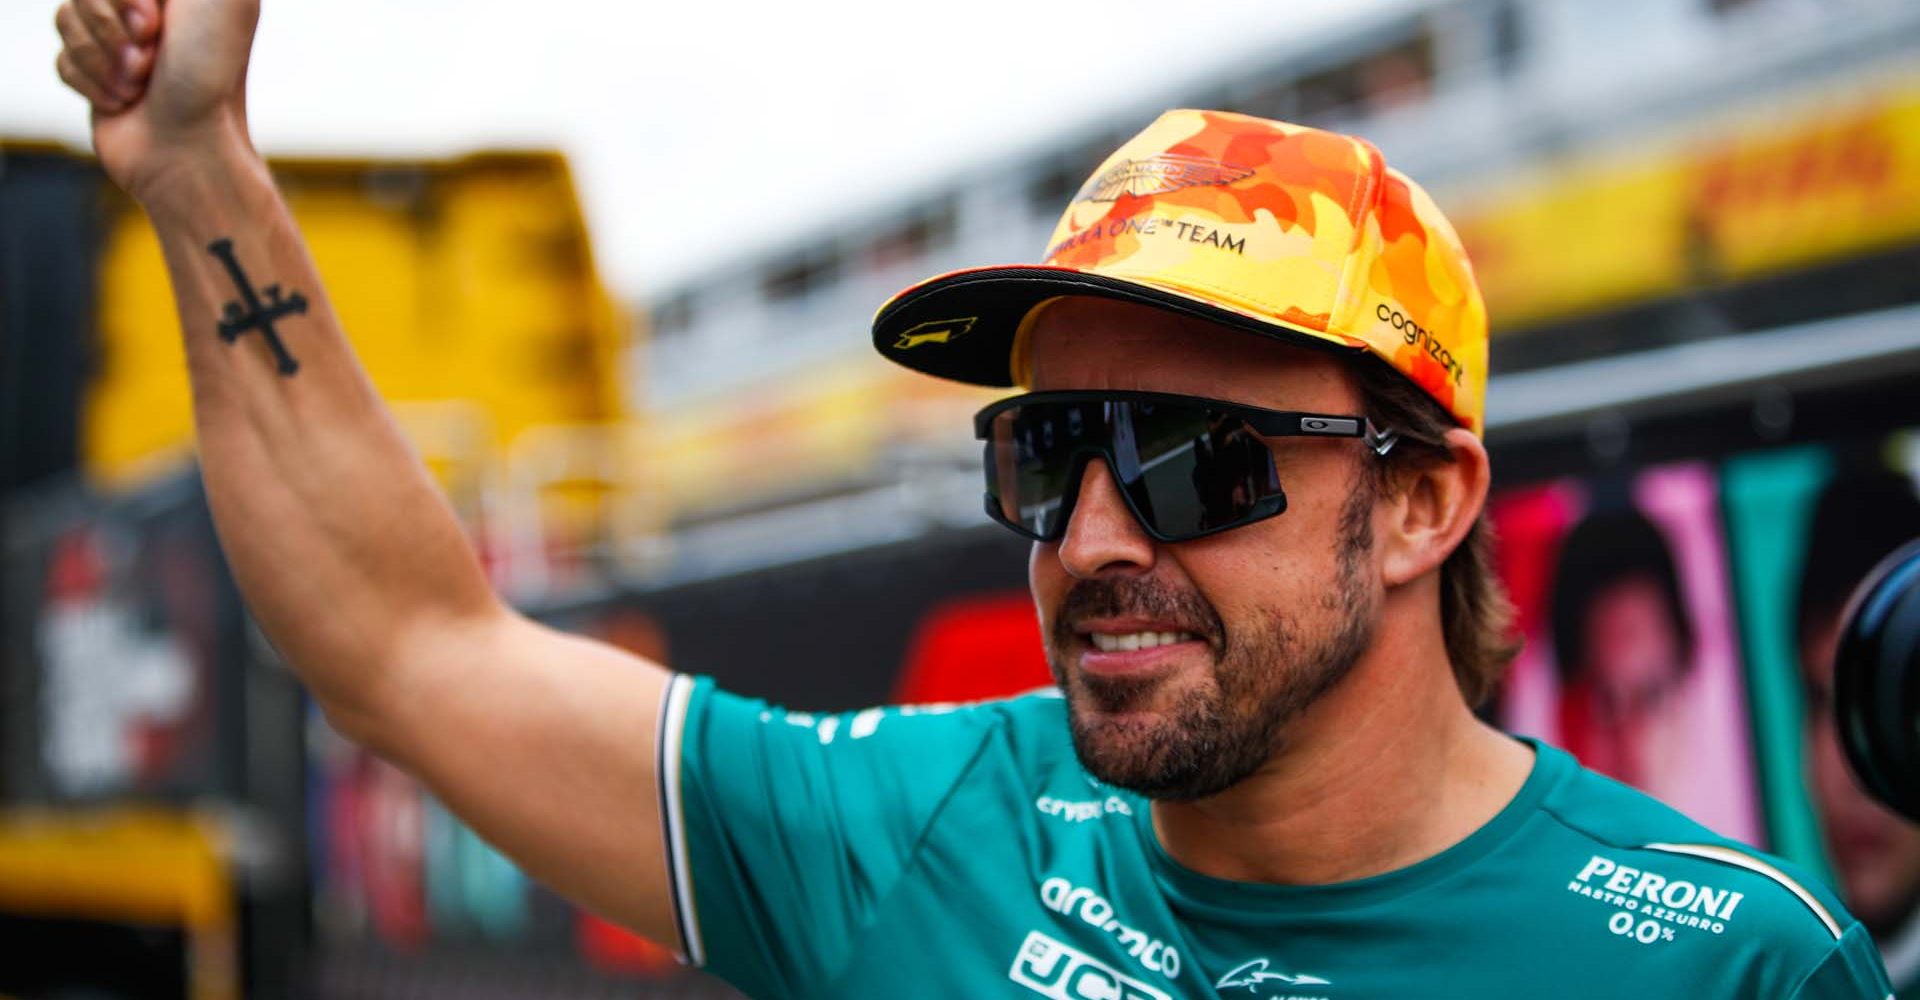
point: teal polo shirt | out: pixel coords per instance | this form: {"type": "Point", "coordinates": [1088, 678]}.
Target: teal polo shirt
{"type": "Point", "coordinates": [962, 852]}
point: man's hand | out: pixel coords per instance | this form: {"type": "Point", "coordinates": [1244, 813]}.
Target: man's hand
{"type": "Point", "coordinates": [167, 80]}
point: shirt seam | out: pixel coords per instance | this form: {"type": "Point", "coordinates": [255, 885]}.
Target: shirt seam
{"type": "Point", "coordinates": [1831, 953]}
{"type": "Point", "coordinates": [907, 863]}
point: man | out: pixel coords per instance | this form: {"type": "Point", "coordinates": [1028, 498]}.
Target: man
{"type": "Point", "coordinates": [1623, 642]}
{"type": "Point", "coordinates": [1264, 779]}
{"type": "Point", "coordinates": [1861, 517]}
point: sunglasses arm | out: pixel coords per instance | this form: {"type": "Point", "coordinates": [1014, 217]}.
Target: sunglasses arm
{"type": "Point", "coordinates": [1380, 439]}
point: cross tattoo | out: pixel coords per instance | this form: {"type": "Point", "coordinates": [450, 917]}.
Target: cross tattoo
{"type": "Point", "coordinates": [254, 315]}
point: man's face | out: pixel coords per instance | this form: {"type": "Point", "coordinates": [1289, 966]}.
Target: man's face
{"type": "Point", "coordinates": [1264, 619]}
{"type": "Point", "coordinates": [1875, 852]}
{"type": "Point", "coordinates": [1633, 652]}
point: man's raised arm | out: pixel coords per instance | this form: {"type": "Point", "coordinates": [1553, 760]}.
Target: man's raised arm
{"type": "Point", "coordinates": [346, 551]}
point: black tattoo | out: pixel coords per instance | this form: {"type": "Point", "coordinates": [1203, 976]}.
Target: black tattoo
{"type": "Point", "coordinates": [249, 313]}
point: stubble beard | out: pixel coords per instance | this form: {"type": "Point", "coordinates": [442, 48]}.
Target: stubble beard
{"type": "Point", "coordinates": [1225, 724]}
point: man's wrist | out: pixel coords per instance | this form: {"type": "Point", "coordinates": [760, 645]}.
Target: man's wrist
{"type": "Point", "coordinates": [221, 165]}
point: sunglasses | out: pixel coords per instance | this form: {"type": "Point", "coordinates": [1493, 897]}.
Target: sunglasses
{"type": "Point", "coordinates": [1186, 466]}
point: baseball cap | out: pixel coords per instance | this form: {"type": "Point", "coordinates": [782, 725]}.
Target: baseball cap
{"type": "Point", "coordinates": [1296, 233]}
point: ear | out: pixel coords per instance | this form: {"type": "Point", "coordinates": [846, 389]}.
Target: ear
{"type": "Point", "coordinates": [1433, 508]}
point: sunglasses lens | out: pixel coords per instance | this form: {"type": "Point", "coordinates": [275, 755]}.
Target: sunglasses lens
{"type": "Point", "coordinates": [1032, 457]}
{"type": "Point", "coordinates": [1199, 471]}
{"type": "Point", "coordinates": [1185, 468]}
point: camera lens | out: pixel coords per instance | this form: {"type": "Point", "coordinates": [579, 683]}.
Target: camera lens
{"type": "Point", "coordinates": [1877, 682]}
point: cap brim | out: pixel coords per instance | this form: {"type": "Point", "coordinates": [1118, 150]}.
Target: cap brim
{"type": "Point", "coordinates": [962, 325]}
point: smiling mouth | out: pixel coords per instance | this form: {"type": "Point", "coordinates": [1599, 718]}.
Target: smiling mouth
{"type": "Point", "coordinates": [1134, 660]}
{"type": "Point", "coordinates": [1130, 641]}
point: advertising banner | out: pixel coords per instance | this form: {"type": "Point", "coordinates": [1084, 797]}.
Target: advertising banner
{"type": "Point", "coordinates": [1823, 177]}
{"type": "Point", "coordinates": [1631, 661]}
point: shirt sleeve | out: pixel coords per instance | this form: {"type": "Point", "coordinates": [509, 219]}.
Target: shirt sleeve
{"type": "Point", "coordinates": [1851, 971]}
{"type": "Point", "coordinates": [785, 830]}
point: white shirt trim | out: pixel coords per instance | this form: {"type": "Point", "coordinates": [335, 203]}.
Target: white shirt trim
{"type": "Point", "coordinates": [667, 765]}
{"type": "Point", "coordinates": [1729, 856]}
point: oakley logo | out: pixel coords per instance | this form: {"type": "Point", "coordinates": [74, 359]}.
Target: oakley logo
{"type": "Point", "coordinates": [1159, 175]}
{"type": "Point", "coordinates": [934, 331]}
{"type": "Point", "coordinates": [1329, 425]}
{"type": "Point", "coordinates": [1052, 969]}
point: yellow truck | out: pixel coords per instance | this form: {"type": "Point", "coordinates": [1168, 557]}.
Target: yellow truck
{"type": "Point", "coordinates": [467, 282]}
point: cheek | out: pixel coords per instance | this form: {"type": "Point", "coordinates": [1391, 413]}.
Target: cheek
{"type": "Point", "coordinates": [1262, 570]}
{"type": "Point", "coordinates": [1048, 581]}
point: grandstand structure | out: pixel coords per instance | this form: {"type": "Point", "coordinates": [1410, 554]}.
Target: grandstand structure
{"type": "Point", "coordinates": [1632, 178]}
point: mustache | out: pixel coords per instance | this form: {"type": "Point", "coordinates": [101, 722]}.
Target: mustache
{"type": "Point", "coordinates": [1120, 597]}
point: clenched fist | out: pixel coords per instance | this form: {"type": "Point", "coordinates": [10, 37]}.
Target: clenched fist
{"type": "Point", "coordinates": [167, 80]}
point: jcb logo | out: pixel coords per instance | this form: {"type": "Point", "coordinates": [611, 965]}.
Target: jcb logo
{"type": "Point", "coordinates": [934, 331]}
{"type": "Point", "coordinates": [1052, 969]}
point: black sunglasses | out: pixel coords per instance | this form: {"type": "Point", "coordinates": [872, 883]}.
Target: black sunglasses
{"type": "Point", "coordinates": [1186, 466]}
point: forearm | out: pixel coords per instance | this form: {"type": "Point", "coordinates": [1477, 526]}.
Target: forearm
{"type": "Point", "coordinates": [336, 533]}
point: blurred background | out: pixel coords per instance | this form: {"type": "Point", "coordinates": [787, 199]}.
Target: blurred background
{"type": "Point", "coordinates": [614, 267]}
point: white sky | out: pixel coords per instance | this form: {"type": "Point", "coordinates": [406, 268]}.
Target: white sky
{"type": "Point", "coordinates": [702, 131]}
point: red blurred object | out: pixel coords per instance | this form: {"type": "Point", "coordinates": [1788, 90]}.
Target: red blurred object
{"type": "Point", "coordinates": [1530, 523]}
{"type": "Point", "coordinates": [972, 649]}
{"type": "Point", "coordinates": [610, 947]}
{"type": "Point", "coordinates": [77, 571]}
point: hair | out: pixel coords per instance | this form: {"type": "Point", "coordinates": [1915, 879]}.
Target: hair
{"type": "Point", "coordinates": [1860, 518]}
{"type": "Point", "coordinates": [1476, 618]}
{"type": "Point", "coordinates": [1603, 550]}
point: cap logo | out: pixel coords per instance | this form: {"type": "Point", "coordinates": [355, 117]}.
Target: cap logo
{"type": "Point", "coordinates": [1158, 175]}
{"type": "Point", "coordinates": [934, 331]}
{"type": "Point", "coordinates": [1417, 335]}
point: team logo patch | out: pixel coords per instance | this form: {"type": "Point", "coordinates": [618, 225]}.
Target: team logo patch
{"type": "Point", "coordinates": [934, 331]}
{"type": "Point", "coordinates": [1055, 970]}
{"type": "Point", "coordinates": [1159, 175]}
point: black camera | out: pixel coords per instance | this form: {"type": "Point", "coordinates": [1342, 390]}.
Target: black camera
{"type": "Point", "coordinates": [1877, 681]}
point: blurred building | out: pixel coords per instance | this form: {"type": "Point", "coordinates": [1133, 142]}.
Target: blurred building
{"type": "Point", "coordinates": [1628, 175]}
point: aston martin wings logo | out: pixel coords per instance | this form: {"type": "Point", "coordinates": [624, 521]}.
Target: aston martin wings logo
{"type": "Point", "coordinates": [1159, 175]}
{"type": "Point", "coordinates": [934, 331]}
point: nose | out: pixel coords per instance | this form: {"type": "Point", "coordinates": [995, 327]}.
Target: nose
{"type": "Point", "coordinates": [1102, 535]}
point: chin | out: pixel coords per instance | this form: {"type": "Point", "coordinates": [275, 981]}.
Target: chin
{"type": "Point", "coordinates": [1126, 753]}
{"type": "Point", "coordinates": [1118, 738]}
{"type": "Point", "coordinates": [1176, 753]}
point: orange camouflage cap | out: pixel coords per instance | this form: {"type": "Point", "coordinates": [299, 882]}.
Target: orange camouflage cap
{"type": "Point", "coordinates": [1284, 230]}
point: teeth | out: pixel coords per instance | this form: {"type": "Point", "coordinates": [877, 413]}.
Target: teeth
{"type": "Point", "coordinates": [1137, 640]}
